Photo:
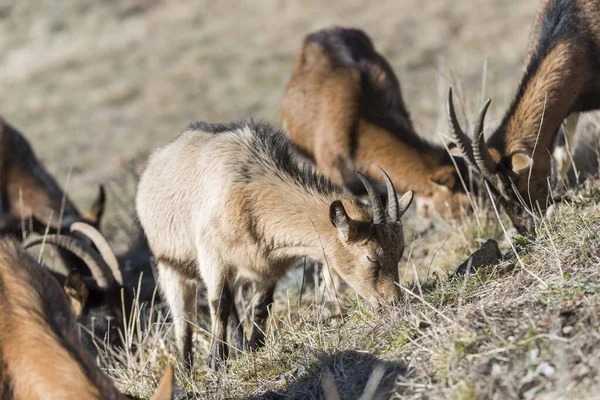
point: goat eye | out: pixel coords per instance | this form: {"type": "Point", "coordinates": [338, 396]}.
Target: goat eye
{"type": "Point", "coordinates": [373, 260]}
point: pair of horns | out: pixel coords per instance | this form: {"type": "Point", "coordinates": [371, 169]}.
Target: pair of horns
{"type": "Point", "coordinates": [379, 213]}
{"type": "Point", "coordinates": [103, 264]}
{"type": "Point", "coordinates": [477, 156]}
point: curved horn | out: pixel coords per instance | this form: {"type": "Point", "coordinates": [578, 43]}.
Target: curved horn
{"type": "Point", "coordinates": [481, 154]}
{"type": "Point", "coordinates": [378, 211]}
{"type": "Point", "coordinates": [103, 247]}
{"type": "Point", "coordinates": [463, 142]}
{"type": "Point", "coordinates": [393, 208]}
{"type": "Point", "coordinates": [78, 248]}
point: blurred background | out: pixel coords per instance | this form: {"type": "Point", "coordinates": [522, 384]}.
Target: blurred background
{"type": "Point", "coordinates": [96, 84]}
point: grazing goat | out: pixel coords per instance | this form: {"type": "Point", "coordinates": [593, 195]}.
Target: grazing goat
{"type": "Point", "coordinates": [99, 303]}
{"type": "Point", "coordinates": [40, 353]}
{"type": "Point", "coordinates": [27, 190]}
{"type": "Point", "coordinates": [343, 108]}
{"type": "Point", "coordinates": [231, 203]}
{"type": "Point", "coordinates": [561, 78]}
{"type": "Point", "coordinates": [31, 198]}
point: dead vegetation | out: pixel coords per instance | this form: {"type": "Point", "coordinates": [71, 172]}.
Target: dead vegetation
{"type": "Point", "coordinates": [523, 328]}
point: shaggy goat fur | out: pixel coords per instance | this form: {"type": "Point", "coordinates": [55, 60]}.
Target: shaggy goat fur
{"type": "Point", "coordinates": [231, 203]}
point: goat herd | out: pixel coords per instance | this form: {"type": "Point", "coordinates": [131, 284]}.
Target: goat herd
{"type": "Point", "coordinates": [240, 203]}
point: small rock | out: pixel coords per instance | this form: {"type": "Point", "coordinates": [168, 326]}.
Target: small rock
{"type": "Point", "coordinates": [533, 355]}
{"type": "Point", "coordinates": [545, 369]}
{"type": "Point", "coordinates": [530, 394]}
{"type": "Point", "coordinates": [180, 393]}
{"type": "Point", "coordinates": [488, 254]}
{"type": "Point", "coordinates": [550, 211]}
{"type": "Point", "coordinates": [497, 370]}
{"type": "Point", "coordinates": [567, 330]}
{"type": "Point", "coordinates": [582, 371]}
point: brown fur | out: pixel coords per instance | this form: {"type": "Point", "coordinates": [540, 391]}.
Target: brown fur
{"type": "Point", "coordinates": [349, 115]}
{"type": "Point", "coordinates": [27, 190]}
{"type": "Point", "coordinates": [561, 77]}
{"type": "Point", "coordinates": [41, 353]}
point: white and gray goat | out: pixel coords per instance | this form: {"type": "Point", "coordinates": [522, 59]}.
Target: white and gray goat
{"type": "Point", "coordinates": [231, 203]}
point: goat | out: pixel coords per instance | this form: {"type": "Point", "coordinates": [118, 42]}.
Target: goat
{"type": "Point", "coordinates": [27, 190]}
{"type": "Point", "coordinates": [40, 354]}
{"type": "Point", "coordinates": [29, 193]}
{"type": "Point", "coordinates": [231, 203]}
{"type": "Point", "coordinates": [561, 78]}
{"type": "Point", "coordinates": [98, 303]}
{"type": "Point", "coordinates": [343, 108]}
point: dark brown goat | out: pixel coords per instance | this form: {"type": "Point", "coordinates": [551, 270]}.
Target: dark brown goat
{"type": "Point", "coordinates": [29, 192]}
{"type": "Point", "coordinates": [562, 77]}
{"type": "Point", "coordinates": [40, 353]}
{"type": "Point", "coordinates": [98, 302]}
{"type": "Point", "coordinates": [343, 107]}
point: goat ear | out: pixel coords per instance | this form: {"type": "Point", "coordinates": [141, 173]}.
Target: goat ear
{"type": "Point", "coordinates": [341, 220]}
{"type": "Point", "coordinates": [520, 162]}
{"type": "Point", "coordinates": [405, 202]}
{"type": "Point", "coordinates": [77, 291]}
{"type": "Point", "coordinates": [165, 386]}
{"type": "Point", "coordinates": [94, 215]}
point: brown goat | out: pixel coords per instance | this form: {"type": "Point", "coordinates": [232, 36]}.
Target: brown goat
{"type": "Point", "coordinates": [562, 76]}
{"type": "Point", "coordinates": [28, 191]}
{"type": "Point", "coordinates": [343, 108]}
{"type": "Point", "coordinates": [40, 353]}
{"type": "Point", "coordinates": [98, 302]}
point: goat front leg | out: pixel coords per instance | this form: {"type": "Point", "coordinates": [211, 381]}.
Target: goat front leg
{"type": "Point", "coordinates": [331, 284]}
{"type": "Point", "coordinates": [564, 145]}
{"type": "Point", "coordinates": [221, 303]}
{"type": "Point", "coordinates": [261, 311]}
{"type": "Point", "coordinates": [236, 329]}
{"type": "Point", "coordinates": [180, 295]}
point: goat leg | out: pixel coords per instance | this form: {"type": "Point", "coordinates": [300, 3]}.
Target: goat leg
{"type": "Point", "coordinates": [236, 330]}
{"type": "Point", "coordinates": [262, 306]}
{"type": "Point", "coordinates": [220, 309]}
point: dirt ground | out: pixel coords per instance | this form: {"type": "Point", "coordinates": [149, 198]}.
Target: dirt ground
{"type": "Point", "coordinates": [95, 84]}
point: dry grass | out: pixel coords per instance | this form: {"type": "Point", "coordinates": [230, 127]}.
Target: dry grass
{"type": "Point", "coordinates": [501, 332]}
{"type": "Point", "coordinates": [95, 85]}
